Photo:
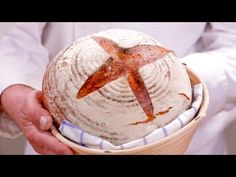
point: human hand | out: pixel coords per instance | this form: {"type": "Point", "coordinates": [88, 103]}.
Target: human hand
{"type": "Point", "coordinates": [24, 105]}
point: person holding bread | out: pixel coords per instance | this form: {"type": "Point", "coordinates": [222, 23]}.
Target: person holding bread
{"type": "Point", "coordinates": [209, 49]}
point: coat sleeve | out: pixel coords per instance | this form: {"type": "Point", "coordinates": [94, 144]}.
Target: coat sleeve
{"type": "Point", "coordinates": [216, 65]}
{"type": "Point", "coordinates": [23, 60]}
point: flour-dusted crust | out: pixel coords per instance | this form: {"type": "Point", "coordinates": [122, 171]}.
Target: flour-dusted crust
{"type": "Point", "coordinates": [113, 111]}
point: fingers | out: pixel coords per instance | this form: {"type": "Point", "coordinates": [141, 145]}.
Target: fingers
{"type": "Point", "coordinates": [45, 143]}
{"type": "Point", "coordinates": [35, 111]}
{"type": "Point", "coordinates": [42, 141]}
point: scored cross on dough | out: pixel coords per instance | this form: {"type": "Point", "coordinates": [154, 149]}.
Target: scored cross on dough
{"type": "Point", "coordinates": [125, 62]}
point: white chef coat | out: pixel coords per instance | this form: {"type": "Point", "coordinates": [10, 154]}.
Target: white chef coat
{"type": "Point", "coordinates": [208, 49]}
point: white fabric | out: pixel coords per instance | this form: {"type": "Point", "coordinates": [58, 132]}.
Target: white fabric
{"type": "Point", "coordinates": [208, 49]}
{"type": "Point", "coordinates": [8, 127]}
{"type": "Point", "coordinates": [83, 138]}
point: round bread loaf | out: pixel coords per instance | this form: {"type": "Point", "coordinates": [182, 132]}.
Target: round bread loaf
{"type": "Point", "coordinates": [118, 84]}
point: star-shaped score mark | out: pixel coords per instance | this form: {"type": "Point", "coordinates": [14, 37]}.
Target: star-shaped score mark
{"type": "Point", "coordinates": [125, 62]}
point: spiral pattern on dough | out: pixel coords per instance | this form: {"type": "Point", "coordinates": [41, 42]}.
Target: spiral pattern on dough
{"type": "Point", "coordinates": [110, 111]}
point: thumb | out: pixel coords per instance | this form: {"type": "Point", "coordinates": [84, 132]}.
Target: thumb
{"type": "Point", "coordinates": [45, 122]}
{"type": "Point", "coordinates": [39, 116]}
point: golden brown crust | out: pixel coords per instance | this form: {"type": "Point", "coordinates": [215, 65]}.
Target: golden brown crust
{"type": "Point", "coordinates": [123, 62]}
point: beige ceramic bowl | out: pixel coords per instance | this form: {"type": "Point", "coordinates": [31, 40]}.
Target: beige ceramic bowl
{"type": "Point", "coordinates": [175, 143]}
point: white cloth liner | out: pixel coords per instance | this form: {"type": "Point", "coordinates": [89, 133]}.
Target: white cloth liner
{"type": "Point", "coordinates": [77, 135]}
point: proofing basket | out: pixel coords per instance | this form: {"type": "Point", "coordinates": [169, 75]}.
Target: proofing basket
{"type": "Point", "coordinates": [176, 143]}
